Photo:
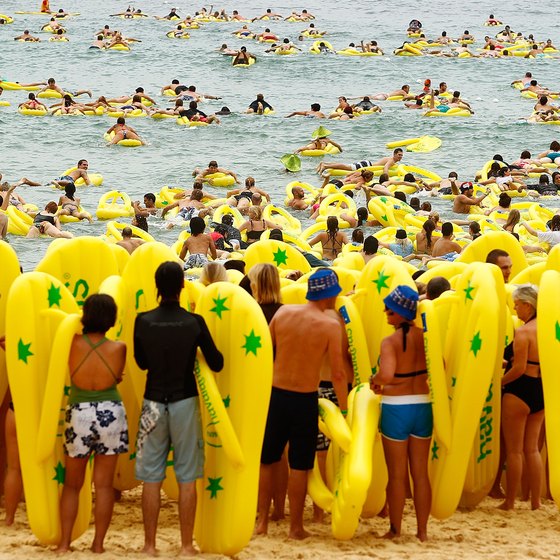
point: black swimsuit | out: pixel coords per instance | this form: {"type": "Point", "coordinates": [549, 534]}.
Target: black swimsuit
{"type": "Point", "coordinates": [528, 389]}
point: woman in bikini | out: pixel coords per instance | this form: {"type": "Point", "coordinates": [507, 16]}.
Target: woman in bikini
{"type": "Point", "coordinates": [95, 421]}
{"type": "Point", "coordinates": [46, 222]}
{"type": "Point", "coordinates": [523, 401]}
{"type": "Point", "coordinates": [406, 412]}
{"type": "Point", "coordinates": [332, 240]}
{"type": "Point", "coordinates": [255, 225]}
{"type": "Point", "coordinates": [241, 198]}
{"type": "Point", "coordinates": [70, 205]}
{"type": "Point", "coordinates": [123, 132]}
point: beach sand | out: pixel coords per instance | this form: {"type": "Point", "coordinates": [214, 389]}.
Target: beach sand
{"type": "Point", "coordinates": [485, 532]}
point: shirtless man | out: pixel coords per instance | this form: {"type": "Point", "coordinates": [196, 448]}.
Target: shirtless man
{"type": "Point", "coordinates": [23, 181]}
{"type": "Point", "coordinates": [539, 90]}
{"type": "Point", "coordinates": [51, 84]}
{"type": "Point", "coordinates": [462, 202]}
{"type": "Point", "coordinates": [526, 80]}
{"type": "Point", "coordinates": [211, 169]}
{"type": "Point", "coordinates": [188, 208]}
{"type": "Point", "coordinates": [386, 162]}
{"type": "Point", "coordinates": [126, 98]}
{"type": "Point", "coordinates": [128, 242]}
{"type": "Point", "coordinates": [293, 412]}
{"type": "Point", "coordinates": [198, 245]}
{"type": "Point", "coordinates": [298, 201]}
{"type": "Point", "coordinates": [404, 91]}
{"type": "Point", "coordinates": [99, 43]}
{"type": "Point", "coordinates": [26, 36]}
{"type": "Point", "coordinates": [445, 244]}
{"type": "Point", "coordinates": [269, 14]}
{"type": "Point", "coordinates": [314, 112]}
{"type": "Point", "coordinates": [74, 175]}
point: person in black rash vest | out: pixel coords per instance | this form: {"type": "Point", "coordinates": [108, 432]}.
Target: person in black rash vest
{"type": "Point", "coordinates": [165, 343]}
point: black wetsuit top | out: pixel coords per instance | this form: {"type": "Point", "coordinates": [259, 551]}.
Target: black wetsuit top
{"type": "Point", "coordinates": [255, 105]}
{"type": "Point", "coordinates": [165, 343]}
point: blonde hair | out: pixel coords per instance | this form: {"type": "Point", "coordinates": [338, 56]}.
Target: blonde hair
{"type": "Point", "coordinates": [213, 272]}
{"type": "Point", "coordinates": [255, 212]}
{"type": "Point", "coordinates": [527, 293]}
{"type": "Point", "coordinates": [265, 283]}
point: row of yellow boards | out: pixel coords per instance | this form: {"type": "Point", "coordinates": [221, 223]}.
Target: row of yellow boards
{"type": "Point", "coordinates": [465, 332]}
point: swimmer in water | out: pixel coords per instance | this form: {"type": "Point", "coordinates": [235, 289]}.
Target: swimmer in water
{"type": "Point", "coordinates": [123, 132]}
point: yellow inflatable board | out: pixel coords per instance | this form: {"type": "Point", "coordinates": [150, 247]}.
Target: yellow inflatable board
{"type": "Point", "coordinates": [479, 249]}
{"type": "Point", "coordinates": [548, 332]}
{"type": "Point", "coordinates": [131, 392]}
{"type": "Point", "coordinates": [10, 271]}
{"type": "Point", "coordinates": [81, 264]}
{"type": "Point", "coordinates": [474, 343]}
{"type": "Point", "coordinates": [275, 252]}
{"type": "Point", "coordinates": [376, 496]}
{"type": "Point", "coordinates": [37, 303]}
{"type": "Point", "coordinates": [436, 372]}
{"type": "Point", "coordinates": [353, 478]}
{"type": "Point", "coordinates": [227, 496]}
{"type": "Point", "coordinates": [485, 455]}
{"type": "Point", "coordinates": [380, 276]}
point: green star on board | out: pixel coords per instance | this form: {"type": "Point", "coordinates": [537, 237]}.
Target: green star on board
{"type": "Point", "coordinates": [227, 400]}
{"type": "Point", "coordinates": [384, 218]}
{"type": "Point", "coordinates": [435, 449]}
{"type": "Point", "coordinates": [59, 473]}
{"type": "Point", "coordinates": [381, 281]}
{"type": "Point", "coordinates": [468, 291]}
{"type": "Point", "coordinates": [476, 343]}
{"type": "Point", "coordinates": [23, 351]}
{"type": "Point", "coordinates": [54, 296]}
{"type": "Point", "coordinates": [220, 306]}
{"type": "Point", "coordinates": [66, 390]}
{"type": "Point", "coordinates": [252, 343]}
{"type": "Point", "coordinates": [280, 257]}
{"type": "Point", "coordinates": [453, 381]}
{"type": "Point", "coordinates": [557, 331]}
{"type": "Point", "coordinates": [214, 487]}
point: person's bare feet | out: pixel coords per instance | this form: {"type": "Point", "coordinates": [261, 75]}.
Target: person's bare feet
{"type": "Point", "coordinates": [149, 550]}
{"type": "Point", "coordinates": [536, 506]}
{"type": "Point", "coordinates": [262, 527]}
{"type": "Point", "coordinates": [505, 506]}
{"type": "Point", "coordinates": [422, 536]}
{"type": "Point", "coordinates": [298, 534]}
{"type": "Point", "coordinates": [97, 548]}
{"type": "Point", "coordinates": [62, 549]}
{"type": "Point", "coordinates": [188, 551]}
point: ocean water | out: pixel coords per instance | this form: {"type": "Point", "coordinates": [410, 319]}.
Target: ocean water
{"type": "Point", "coordinates": [41, 148]}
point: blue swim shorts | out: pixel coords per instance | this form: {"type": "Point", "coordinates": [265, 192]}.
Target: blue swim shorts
{"type": "Point", "coordinates": [406, 416]}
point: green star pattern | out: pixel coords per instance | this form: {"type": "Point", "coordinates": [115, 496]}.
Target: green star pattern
{"type": "Point", "coordinates": [59, 473]}
{"type": "Point", "coordinates": [280, 257]}
{"type": "Point", "coordinates": [54, 296]}
{"type": "Point", "coordinates": [252, 343]}
{"type": "Point", "coordinates": [381, 281]}
{"type": "Point", "coordinates": [220, 306]}
{"type": "Point", "coordinates": [468, 291]}
{"type": "Point", "coordinates": [435, 449]}
{"type": "Point", "coordinates": [227, 401]}
{"type": "Point", "coordinates": [384, 218]}
{"type": "Point", "coordinates": [66, 390]}
{"type": "Point", "coordinates": [557, 331]}
{"type": "Point", "coordinates": [476, 343]}
{"type": "Point", "coordinates": [214, 487]}
{"type": "Point", "coordinates": [453, 381]}
{"type": "Point", "coordinates": [23, 351]}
